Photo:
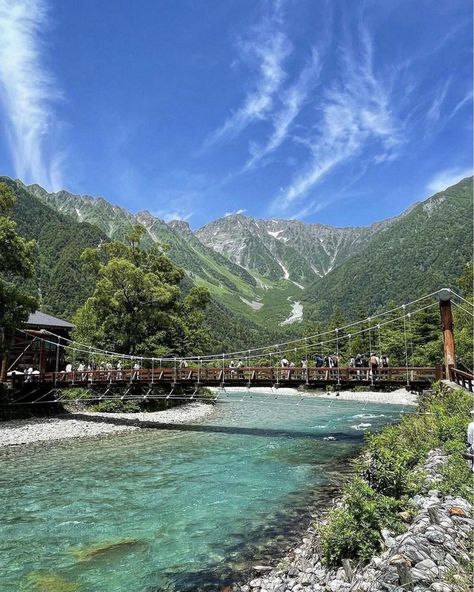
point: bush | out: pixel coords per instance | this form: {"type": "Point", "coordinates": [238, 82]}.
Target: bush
{"type": "Point", "coordinates": [354, 530]}
{"type": "Point", "coordinates": [389, 473]}
{"type": "Point", "coordinates": [116, 407]}
{"type": "Point", "coordinates": [457, 477]}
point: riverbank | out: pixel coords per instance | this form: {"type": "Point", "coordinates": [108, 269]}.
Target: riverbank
{"type": "Point", "coordinates": [50, 429]}
{"type": "Point", "coordinates": [433, 554]}
{"type": "Point", "coordinates": [397, 397]}
{"type": "Point", "coordinates": [404, 521]}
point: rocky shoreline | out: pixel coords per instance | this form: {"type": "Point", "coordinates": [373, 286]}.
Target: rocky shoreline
{"type": "Point", "coordinates": [90, 425]}
{"type": "Point", "coordinates": [430, 555]}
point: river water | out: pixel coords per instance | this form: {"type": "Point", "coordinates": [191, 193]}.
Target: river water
{"type": "Point", "coordinates": [164, 510]}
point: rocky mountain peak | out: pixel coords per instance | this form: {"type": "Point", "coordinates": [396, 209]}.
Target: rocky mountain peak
{"type": "Point", "coordinates": [145, 217]}
{"type": "Point", "coordinates": [180, 226]}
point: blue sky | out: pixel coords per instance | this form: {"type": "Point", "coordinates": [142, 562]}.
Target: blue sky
{"type": "Point", "coordinates": [339, 111]}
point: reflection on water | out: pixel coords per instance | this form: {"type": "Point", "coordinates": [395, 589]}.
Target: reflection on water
{"type": "Point", "coordinates": [187, 508]}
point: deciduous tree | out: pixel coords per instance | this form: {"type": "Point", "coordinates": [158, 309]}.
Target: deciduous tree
{"type": "Point", "coordinates": [137, 307]}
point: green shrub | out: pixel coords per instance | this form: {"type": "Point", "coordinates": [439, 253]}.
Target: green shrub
{"type": "Point", "coordinates": [116, 407]}
{"type": "Point", "coordinates": [389, 473]}
{"type": "Point", "coordinates": [74, 394]}
{"type": "Point", "coordinates": [353, 531]}
{"type": "Point", "coordinates": [457, 477]}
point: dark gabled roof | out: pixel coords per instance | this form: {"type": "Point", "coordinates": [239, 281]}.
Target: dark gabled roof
{"type": "Point", "coordinates": [42, 319]}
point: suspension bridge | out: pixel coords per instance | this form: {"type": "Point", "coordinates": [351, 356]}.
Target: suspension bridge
{"type": "Point", "coordinates": [100, 373]}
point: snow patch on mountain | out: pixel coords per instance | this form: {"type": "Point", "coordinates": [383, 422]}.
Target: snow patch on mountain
{"type": "Point", "coordinates": [285, 271]}
{"type": "Point", "coordinates": [296, 315]}
{"type": "Point", "coordinates": [253, 304]}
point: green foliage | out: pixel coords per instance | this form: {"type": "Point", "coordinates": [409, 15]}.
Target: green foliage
{"type": "Point", "coordinates": [464, 323]}
{"type": "Point", "coordinates": [353, 531]}
{"type": "Point", "coordinates": [136, 307]}
{"type": "Point", "coordinates": [116, 407]}
{"type": "Point", "coordinates": [390, 461]}
{"type": "Point", "coordinates": [16, 263]}
{"type": "Point", "coordinates": [59, 275]}
{"type": "Point", "coordinates": [389, 473]}
{"type": "Point", "coordinates": [421, 251]}
{"type": "Point", "coordinates": [457, 474]}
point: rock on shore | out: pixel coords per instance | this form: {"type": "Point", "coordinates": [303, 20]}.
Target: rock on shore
{"type": "Point", "coordinates": [430, 554]}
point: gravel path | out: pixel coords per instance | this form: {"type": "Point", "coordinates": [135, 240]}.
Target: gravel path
{"type": "Point", "coordinates": [28, 431]}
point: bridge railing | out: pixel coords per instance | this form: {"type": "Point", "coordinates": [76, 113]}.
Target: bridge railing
{"type": "Point", "coordinates": [245, 375]}
{"type": "Point", "coordinates": [464, 379]}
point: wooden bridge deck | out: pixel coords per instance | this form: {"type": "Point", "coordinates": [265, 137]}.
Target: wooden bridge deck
{"type": "Point", "coordinates": [416, 378]}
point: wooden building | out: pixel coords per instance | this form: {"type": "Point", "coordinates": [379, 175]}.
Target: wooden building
{"type": "Point", "coordinates": [29, 348]}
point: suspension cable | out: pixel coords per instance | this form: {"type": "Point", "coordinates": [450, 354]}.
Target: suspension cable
{"type": "Point", "coordinates": [463, 309]}
{"type": "Point", "coordinates": [299, 340]}
{"type": "Point", "coordinates": [75, 348]}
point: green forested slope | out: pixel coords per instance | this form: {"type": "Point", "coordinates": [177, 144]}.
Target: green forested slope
{"type": "Point", "coordinates": [63, 284]}
{"type": "Point", "coordinates": [419, 253]}
{"type": "Point", "coordinates": [60, 279]}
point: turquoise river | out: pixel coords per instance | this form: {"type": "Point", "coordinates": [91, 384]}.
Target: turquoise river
{"type": "Point", "coordinates": [191, 508]}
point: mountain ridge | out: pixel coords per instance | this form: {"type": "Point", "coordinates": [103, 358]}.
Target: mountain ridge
{"type": "Point", "coordinates": [262, 269]}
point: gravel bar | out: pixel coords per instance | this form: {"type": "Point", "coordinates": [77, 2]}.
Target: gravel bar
{"type": "Point", "coordinates": [29, 431]}
{"type": "Point", "coordinates": [397, 397]}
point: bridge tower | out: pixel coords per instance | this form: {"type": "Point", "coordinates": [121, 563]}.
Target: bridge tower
{"type": "Point", "coordinates": [448, 329]}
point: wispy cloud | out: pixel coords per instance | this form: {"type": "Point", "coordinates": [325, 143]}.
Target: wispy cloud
{"type": "Point", "coordinates": [241, 211]}
{"type": "Point", "coordinates": [434, 112]}
{"type": "Point", "coordinates": [464, 101]}
{"type": "Point", "coordinates": [446, 178]}
{"type": "Point", "coordinates": [292, 101]}
{"type": "Point", "coordinates": [169, 215]}
{"type": "Point", "coordinates": [28, 93]}
{"type": "Point", "coordinates": [354, 112]}
{"type": "Point", "coordinates": [265, 51]}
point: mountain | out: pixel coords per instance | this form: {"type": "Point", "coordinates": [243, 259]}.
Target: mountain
{"type": "Point", "coordinates": [60, 280]}
{"type": "Point", "coordinates": [418, 253]}
{"type": "Point", "coordinates": [263, 299]}
{"type": "Point", "coordinates": [286, 249]}
{"type": "Point", "coordinates": [62, 283]}
{"type": "Point", "coordinates": [267, 275]}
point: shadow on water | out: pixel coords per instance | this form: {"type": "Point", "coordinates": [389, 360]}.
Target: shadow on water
{"type": "Point", "coordinates": [262, 432]}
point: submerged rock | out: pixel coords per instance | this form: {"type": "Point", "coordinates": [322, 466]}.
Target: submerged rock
{"type": "Point", "coordinates": [108, 549]}
{"type": "Point", "coordinates": [50, 582]}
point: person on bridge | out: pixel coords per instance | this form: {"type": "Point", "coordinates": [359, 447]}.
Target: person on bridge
{"type": "Point", "coordinates": [374, 365]}
{"type": "Point", "coordinates": [68, 367]}
{"type": "Point", "coordinates": [384, 361]}
{"type": "Point", "coordinates": [240, 371]}
{"type": "Point", "coordinates": [119, 370]}
{"type": "Point", "coordinates": [136, 371]}
{"type": "Point", "coordinates": [29, 374]}
{"type": "Point", "coordinates": [319, 360]}
{"type": "Point", "coordinates": [81, 368]}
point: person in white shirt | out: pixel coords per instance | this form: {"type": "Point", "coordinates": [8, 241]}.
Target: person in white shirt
{"type": "Point", "coordinates": [136, 373]}
{"type": "Point", "coordinates": [470, 439]}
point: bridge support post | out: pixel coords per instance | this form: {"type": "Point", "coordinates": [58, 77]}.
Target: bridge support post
{"type": "Point", "coordinates": [448, 330]}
